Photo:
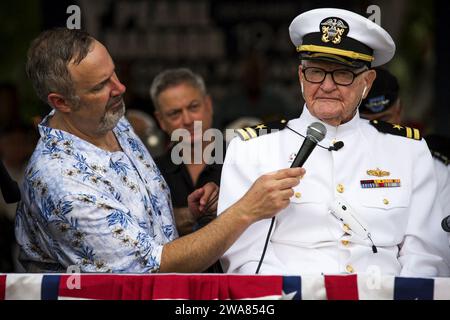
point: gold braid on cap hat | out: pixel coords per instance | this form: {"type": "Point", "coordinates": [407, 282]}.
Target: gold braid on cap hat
{"type": "Point", "coordinates": [346, 53]}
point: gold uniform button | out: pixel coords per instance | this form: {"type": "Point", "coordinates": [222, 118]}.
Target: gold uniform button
{"type": "Point", "coordinates": [349, 269]}
{"type": "Point", "coordinates": [346, 227]}
{"type": "Point", "coordinates": [345, 242]}
{"type": "Point", "coordinates": [340, 188]}
{"type": "Point", "coordinates": [298, 195]}
{"type": "Point", "coordinates": [386, 201]}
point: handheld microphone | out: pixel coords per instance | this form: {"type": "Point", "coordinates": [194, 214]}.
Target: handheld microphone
{"type": "Point", "coordinates": [314, 134]}
{"type": "Point", "coordinates": [446, 224]}
{"type": "Point", "coordinates": [9, 187]}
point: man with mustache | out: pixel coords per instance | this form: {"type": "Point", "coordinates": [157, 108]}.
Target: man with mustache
{"type": "Point", "coordinates": [361, 208]}
{"type": "Point", "coordinates": [92, 197]}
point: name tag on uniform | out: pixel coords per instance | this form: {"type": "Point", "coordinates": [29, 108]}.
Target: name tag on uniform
{"type": "Point", "coordinates": [381, 183]}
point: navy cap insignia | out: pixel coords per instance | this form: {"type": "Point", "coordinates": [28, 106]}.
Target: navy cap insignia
{"type": "Point", "coordinates": [378, 173]}
{"type": "Point", "coordinates": [333, 29]}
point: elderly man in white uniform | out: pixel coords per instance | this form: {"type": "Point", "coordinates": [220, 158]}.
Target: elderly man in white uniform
{"type": "Point", "coordinates": [383, 175]}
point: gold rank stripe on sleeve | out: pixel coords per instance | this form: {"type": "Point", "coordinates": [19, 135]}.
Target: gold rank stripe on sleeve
{"type": "Point", "coordinates": [380, 183]}
{"type": "Point", "coordinates": [396, 129]}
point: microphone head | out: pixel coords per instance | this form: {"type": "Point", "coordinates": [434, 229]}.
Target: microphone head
{"type": "Point", "coordinates": [316, 131]}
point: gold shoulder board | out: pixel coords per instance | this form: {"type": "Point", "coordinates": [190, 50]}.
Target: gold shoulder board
{"type": "Point", "coordinates": [260, 129]}
{"type": "Point", "coordinates": [396, 129]}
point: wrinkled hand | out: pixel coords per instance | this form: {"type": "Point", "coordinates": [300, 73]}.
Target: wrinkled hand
{"type": "Point", "coordinates": [270, 193]}
{"type": "Point", "coordinates": [203, 201]}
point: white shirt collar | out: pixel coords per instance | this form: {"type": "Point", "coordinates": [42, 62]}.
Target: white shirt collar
{"type": "Point", "coordinates": [333, 133]}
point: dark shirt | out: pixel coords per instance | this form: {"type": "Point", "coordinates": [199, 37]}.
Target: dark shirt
{"type": "Point", "coordinates": [181, 185]}
{"type": "Point", "coordinates": [179, 180]}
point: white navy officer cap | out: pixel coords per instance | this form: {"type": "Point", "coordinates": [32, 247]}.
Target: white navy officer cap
{"type": "Point", "coordinates": [342, 37]}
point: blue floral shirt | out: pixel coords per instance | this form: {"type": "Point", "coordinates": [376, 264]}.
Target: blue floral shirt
{"type": "Point", "coordinates": [101, 211]}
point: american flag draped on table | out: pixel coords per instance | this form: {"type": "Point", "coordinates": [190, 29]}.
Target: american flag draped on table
{"type": "Point", "coordinates": [219, 287]}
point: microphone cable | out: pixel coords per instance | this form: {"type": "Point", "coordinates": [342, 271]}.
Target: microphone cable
{"type": "Point", "coordinates": [265, 245]}
{"type": "Point", "coordinates": [335, 147]}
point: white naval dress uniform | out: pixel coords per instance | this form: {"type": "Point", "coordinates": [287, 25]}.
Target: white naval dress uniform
{"type": "Point", "coordinates": [306, 238]}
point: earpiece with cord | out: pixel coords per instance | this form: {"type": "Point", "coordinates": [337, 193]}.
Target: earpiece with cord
{"type": "Point", "coordinates": [362, 98]}
{"type": "Point", "coordinates": [303, 93]}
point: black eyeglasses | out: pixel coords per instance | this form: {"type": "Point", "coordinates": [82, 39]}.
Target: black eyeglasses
{"type": "Point", "coordinates": [341, 77]}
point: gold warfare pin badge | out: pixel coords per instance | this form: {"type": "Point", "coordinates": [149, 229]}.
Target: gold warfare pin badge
{"type": "Point", "coordinates": [378, 173]}
{"type": "Point", "coordinates": [333, 29]}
